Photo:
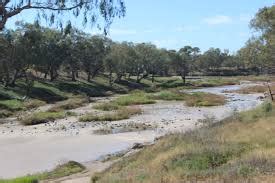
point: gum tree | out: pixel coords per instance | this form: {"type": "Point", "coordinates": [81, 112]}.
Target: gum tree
{"type": "Point", "coordinates": [54, 11]}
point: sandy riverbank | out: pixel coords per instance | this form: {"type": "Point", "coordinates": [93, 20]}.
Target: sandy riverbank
{"type": "Point", "coordinates": [30, 149]}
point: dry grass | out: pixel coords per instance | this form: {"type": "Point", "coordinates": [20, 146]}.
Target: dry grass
{"type": "Point", "coordinates": [72, 103]}
{"type": "Point", "coordinates": [128, 127]}
{"type": "Point", "coordinates": [34, 103]}
{"type": "Point", "coordinates": [124, 113]}
{"type": "Point", "coordinates": [42, 117]}
{"type": "Point", "coordinates": [253, 89]}
{"type": "Point", "coordinates": [204, 99]}
{"type": "Point", "coordinates": [107, 106]}
{"type": "Point", "coordinates": [236, 150]}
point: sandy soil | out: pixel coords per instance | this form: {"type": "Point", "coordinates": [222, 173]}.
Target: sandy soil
{"type": "Point", "coordinates": [31, 149]}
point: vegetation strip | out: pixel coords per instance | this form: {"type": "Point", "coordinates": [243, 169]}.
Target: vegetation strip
{"type": "Point", "coordinates": [226, 151]}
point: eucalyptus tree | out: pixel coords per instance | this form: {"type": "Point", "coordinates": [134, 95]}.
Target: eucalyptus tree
{"type": "Point", "coordinates": [51, 57]}
{"type": "Point", "coordinates": [54, 11]}
{"type": "Point", "coordinates": [264, 22]}
{"type": "Point", "coordinates": [5, 58]}
{"type": "Point", "coordinates": [253, 55]}
{"type": "Point", "coordinates": [92, 53]}
{"type": "Point", "coordinates": [145, 55]}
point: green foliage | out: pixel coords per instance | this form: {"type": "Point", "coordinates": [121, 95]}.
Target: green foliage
{"type": "Point", "coordinates": [28, 179]}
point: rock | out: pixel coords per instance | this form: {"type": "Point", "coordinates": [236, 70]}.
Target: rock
{"type": "Point", "coordinates": [260, 98]}
{"type": "Point", "coordinates": [137, 146]}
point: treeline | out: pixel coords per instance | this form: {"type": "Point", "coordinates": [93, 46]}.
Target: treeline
{"type": "Point", "coordinates": [33, 51]}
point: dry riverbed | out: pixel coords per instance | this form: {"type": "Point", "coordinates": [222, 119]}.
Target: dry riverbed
{"type": "Point", "coordinates": [31, 149]}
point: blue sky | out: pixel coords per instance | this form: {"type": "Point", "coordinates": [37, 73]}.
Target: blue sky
{"type": "Point", "coordinates": [176, 23]}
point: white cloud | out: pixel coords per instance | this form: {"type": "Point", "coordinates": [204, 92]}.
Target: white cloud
{"type": "Point", "coordinates": [218, 19]}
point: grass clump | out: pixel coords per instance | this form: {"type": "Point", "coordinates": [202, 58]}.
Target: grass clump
{"type": "Point", "coordinates": [168, 95]}
{"type": "Point", "coordinates": [64, 170]}
{"type": "Point", "coordinates": [128, 127]}
{"type": "Point", "coordinates": [107, 106]}
{"type": "Point", "coordinates": [253, 89]}
{"type": "Point", "coordinates": [42, 117]}
{"type": "Point", "coordinates": [121, 114]}
{"type": "Point", "coordinates": [33, 103]}
{"type": "Point", "coordinates": [69, 104]}
{"type": "Point", "coordinates": [11, 105]}
{"type": "Point", "coordinates": [199, 99]}
{"type": "Point", "coordinates": [231, 151]}
{"type": "Point", "coordinates": [135, 98]}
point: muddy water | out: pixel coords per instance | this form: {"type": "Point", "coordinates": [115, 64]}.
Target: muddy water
{"type": "Point", "coordinates": [28, 150]}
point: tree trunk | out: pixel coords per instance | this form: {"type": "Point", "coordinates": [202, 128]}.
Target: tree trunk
{"type": "Point", "coordinates": [45, 75]}
{"type": "Point", "coordinates": [183, 79]}
{"type": "Point", "coordinates": [14, 77]}
{"type": "Point", "coordinates": [52, 74]}
{"type": "Point", "coordinates": [7, 74]}
{"type": "Point", "coordinates": [110, 78]}
{"type": "Point", "coordinates": [153, 77]}
{"type": "Point", "coordinates": [73, 75]}
{"type": "Point", "coordinates": [89, 76]}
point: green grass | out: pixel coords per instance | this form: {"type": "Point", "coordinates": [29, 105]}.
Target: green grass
{"type": "Point", "coordinates": [168, 95]}
{"type": "Point", "coordinates": [42, 117]}
{"type": "Point", "coordinates": [235, 150]}
{"type": "Point", "coordinates": [11, 105]}
{"type": "Point", "coordinates": [124, 113]}
{"type": "Point", "coordinates": [60, 171]}
{"type": "Point", "coordinates": [134, 98]}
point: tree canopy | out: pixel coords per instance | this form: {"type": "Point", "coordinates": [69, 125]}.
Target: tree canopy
{"type": "Point", "coordinates": [54, 11]}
